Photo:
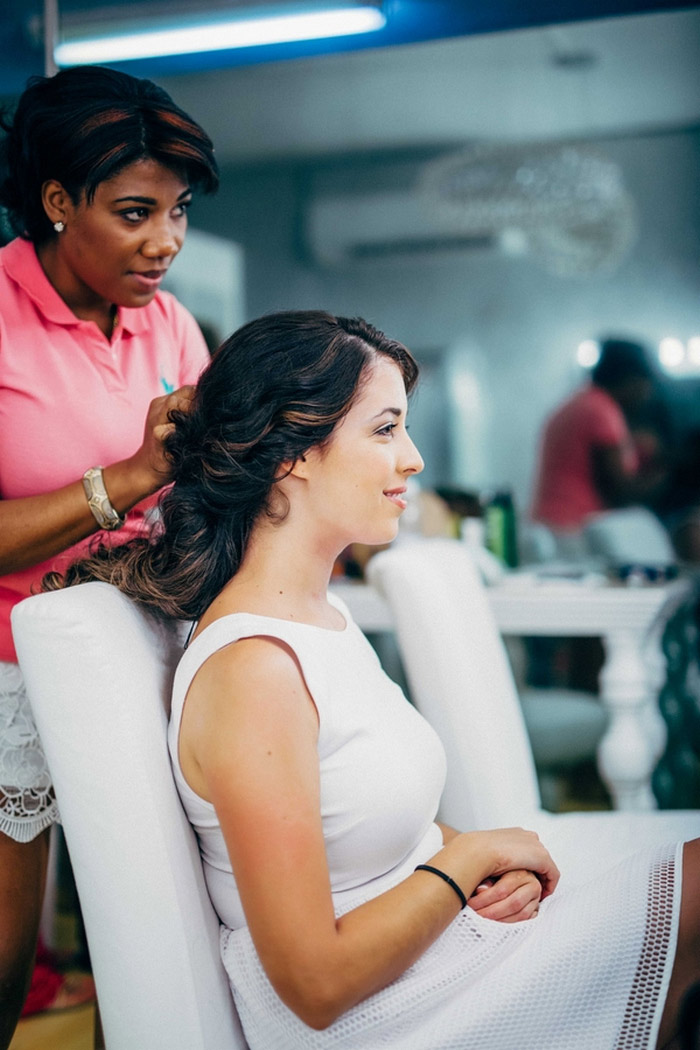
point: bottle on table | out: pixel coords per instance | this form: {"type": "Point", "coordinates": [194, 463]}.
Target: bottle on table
{"type": "Point", "coordinates": [500, 529]}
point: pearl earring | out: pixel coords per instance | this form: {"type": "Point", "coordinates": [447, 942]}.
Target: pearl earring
{"type": "Point", "coordinates": [59, 226]}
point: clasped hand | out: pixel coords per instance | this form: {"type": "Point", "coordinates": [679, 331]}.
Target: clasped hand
{"type": "Point", "coordinates": [512, 897]}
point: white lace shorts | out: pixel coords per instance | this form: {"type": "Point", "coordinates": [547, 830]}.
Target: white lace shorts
{"type": "Point", "coordinates": [27, 804]}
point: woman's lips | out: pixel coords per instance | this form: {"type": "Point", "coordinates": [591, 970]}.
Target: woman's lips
{"type": "Point", "coordinates": [396, 497]}
{"type": "Point", "coordinates": [147, 279]}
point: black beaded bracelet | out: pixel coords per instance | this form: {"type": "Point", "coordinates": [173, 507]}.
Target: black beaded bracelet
{"type": "Point", "coordinates": [447, 879]}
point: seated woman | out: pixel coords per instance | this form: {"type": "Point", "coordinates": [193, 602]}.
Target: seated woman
{"type": "Point", "coordinates": [349, 917]}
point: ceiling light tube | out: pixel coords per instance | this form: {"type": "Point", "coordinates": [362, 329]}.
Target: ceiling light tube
{"type": "Point", "coordinates": [219, 35]}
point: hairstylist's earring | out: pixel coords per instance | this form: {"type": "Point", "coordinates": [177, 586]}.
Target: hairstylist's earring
{"type": "Point", "coordinates": [59, 226]}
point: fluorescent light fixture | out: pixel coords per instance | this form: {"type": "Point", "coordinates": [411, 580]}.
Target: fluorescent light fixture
{"type": "Point", "coordinates": [220, 35]}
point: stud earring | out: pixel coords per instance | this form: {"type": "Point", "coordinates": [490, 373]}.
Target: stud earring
{"type": "Point", "coordinates": [59, 226]}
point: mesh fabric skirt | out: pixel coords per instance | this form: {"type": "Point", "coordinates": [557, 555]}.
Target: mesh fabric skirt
{"type": "Point", "coordinates": [592, 970]}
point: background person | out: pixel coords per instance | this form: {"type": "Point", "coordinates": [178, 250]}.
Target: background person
{"type": "Point", "coordinates": [99, 172]}
{"type": "Point", "coordinates": [311, 782]}
{"type": "Point", "coordinates": [588, 461]}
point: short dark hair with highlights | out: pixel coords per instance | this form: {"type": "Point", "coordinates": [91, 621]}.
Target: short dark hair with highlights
{"type": "Point", "coordinates": [84, 125]}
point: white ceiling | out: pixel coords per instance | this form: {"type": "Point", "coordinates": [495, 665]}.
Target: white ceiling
{"type": "Point", "coordinates": [644, 76]}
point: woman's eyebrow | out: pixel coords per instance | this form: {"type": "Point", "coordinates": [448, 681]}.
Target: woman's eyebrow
{"type": "Point", "coordinates": [148, 200]}
{"type": "Point", "coordinates": [394, 411]}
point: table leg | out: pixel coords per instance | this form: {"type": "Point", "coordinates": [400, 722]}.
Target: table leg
{"type": "Point", "coordinates": [635, 736]}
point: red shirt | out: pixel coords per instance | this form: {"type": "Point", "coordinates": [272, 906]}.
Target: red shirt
{"type": "Point", "coordinates": [565, 490]}
{"type": "Point", "coordinates": [71, 399]}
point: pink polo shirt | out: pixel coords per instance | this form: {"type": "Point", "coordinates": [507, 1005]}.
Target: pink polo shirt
{"type": "Point", "coordinates": [565, 492]}
{"type": "Point", "coordinates": [70, 399]}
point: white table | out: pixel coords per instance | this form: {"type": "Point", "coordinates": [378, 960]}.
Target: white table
{"type": "Point", "coordinates": [630, 621]}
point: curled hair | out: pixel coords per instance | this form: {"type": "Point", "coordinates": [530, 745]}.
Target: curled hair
{"type": "Point", "coordinates": [275, 389]}
{"type": "Point", "coordinates": [84, 125]}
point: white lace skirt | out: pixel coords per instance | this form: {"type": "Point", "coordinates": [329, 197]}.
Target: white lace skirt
{"type": "Point", "coordinates": [27, 804]}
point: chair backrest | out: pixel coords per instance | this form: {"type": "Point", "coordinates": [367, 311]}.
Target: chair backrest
{"type": "Point", "coordinates": [98, 675]}
{"type": "Point", "coordinates": [460, 679]}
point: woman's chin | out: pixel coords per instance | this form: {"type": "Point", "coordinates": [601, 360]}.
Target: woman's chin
{"type": "Point", "coordinates": [380, 537]}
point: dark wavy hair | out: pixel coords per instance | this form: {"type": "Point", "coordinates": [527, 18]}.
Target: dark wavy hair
{"type": "Point", "coordinates": [275, 389]}
{"type": "Point", "coordinates": [85, 125]}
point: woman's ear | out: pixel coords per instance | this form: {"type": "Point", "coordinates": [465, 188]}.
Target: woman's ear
{"type": "Point", "coordinates": [56, 201]}
{"type": "Point", "coordinates": [296, 468]}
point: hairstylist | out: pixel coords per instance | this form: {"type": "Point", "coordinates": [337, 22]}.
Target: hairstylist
{"type": "Point", "coordinates": [99, 171]}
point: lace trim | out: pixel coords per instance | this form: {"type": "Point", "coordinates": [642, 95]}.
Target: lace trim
{"type": "Point", "coordinates": [27, 803]}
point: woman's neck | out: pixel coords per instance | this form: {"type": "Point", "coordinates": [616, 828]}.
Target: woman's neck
{"type": "Point", "coordinates": [282, 577]}
{"type": "Point", "coordinates": [84, 303]}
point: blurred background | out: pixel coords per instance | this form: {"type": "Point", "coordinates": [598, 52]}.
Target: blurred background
{"type": "Point", "coordinates": [493, 184]}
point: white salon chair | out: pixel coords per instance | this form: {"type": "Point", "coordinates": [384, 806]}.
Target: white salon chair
{"type": "Point", "coordinates": [98, 675]}
{"type": "Point", "coordinates": [461, 681]}
{"type": "Point", "coordinates": [565, 726]}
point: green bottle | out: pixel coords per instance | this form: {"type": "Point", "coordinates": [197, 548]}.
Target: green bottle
{"type": "Point", "coordinates": [500, 531]}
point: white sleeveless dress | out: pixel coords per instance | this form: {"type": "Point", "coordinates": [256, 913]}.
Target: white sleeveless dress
{"type": "Point", "coordinates": [589, 973]}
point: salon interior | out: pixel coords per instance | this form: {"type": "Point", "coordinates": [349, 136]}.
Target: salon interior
{"type": "Point", "coordinates": [500, 186]}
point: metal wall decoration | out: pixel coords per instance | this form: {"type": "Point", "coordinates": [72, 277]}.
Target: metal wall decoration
{"type": "Point", "coordinates": [564, 205]}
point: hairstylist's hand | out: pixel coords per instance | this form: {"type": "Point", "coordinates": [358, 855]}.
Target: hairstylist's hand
{"type": "Point", "coordinates": [150, 460]}
{"type": "Point", "coordinates": [513, 897]}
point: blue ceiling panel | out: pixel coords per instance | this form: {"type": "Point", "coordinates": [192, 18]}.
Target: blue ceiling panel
{"type": "Point", "coordinates": [408, 21]}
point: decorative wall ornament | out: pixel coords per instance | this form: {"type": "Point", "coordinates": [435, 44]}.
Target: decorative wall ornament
{"type": "Point", "coordinates": [564, 205]}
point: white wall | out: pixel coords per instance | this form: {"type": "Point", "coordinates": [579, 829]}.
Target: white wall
{"type": "Point", "coordinates": [517, 323]}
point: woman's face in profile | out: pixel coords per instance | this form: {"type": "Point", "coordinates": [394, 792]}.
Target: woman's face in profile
{"type": "Point", "coordinates": [118, 247]}
{"type": "Point", "coordinates": [358, 481]}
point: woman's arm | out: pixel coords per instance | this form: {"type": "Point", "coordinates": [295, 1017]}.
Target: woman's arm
{"type": "Point", "coordinates": [616, 485]}
{"type": "Point", "coordinates": [35, 528]}
{"type": "Point", "coordinates": [513, 897]}
{"type": "Point", "coordinates": [448, 833]}
{"type": "Point", "coordinates": [248, 743]}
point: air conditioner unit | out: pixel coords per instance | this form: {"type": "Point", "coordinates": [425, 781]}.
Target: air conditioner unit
{"type": "Point", "coordinates": [355, 228]}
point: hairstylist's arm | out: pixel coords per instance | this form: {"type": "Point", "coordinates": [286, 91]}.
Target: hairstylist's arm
{"type": "Point", "coordinates": [248, 743]}
{"type": "Point", "coordinates": [35, 528]}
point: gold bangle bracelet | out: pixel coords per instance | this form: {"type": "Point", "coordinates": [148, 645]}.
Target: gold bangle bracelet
{"type": "Point", "coordinates": [98, 501]}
